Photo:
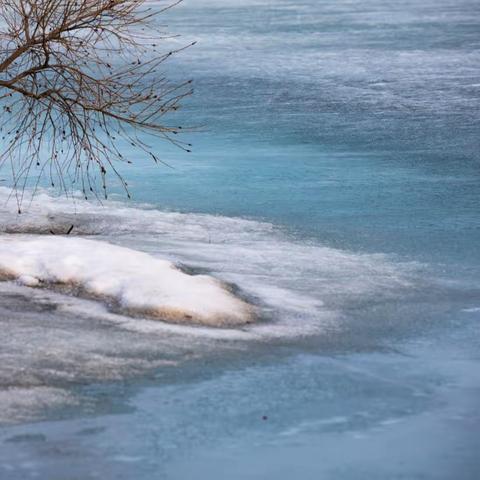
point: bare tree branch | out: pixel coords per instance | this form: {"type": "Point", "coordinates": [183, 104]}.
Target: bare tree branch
{"type": "Point", "coordinates": [77, 77]}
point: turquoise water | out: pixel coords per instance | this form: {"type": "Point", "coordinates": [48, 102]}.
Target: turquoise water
{"type": "Point", "coordinates": [351, 122]}
{"type": "Point", "coordinates": [334, 181]}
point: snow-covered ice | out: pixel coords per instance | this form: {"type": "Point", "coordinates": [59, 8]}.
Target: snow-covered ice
{"type": "Point", "coordinates": [134, 281]}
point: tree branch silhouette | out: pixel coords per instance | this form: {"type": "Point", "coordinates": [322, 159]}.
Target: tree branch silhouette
{"type": "Point", "coordinates": [78, 78]}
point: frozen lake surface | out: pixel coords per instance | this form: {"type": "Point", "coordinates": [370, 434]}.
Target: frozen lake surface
{"type": "Point", "coordinates": [335, 185]}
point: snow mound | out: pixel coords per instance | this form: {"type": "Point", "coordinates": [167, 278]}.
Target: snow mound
{"type": "Point", "coordinates": [133, 281]}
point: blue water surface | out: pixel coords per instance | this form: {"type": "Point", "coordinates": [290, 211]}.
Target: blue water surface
{"type": "Point", "coordinates": [347, 125]}
{"type": "Point", "coordinates": [356, 123]}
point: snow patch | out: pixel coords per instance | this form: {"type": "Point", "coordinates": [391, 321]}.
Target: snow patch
{"type": "Point", "coordinates": [137, 282]}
